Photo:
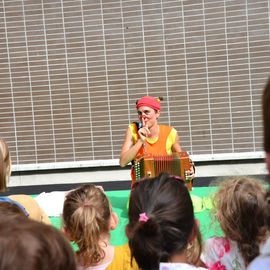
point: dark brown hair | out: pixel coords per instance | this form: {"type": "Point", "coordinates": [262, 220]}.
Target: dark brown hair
{"type": "Point", "coordinates": [166, 202]}
{"type": "Point", "coordinates": [30, 245]}
{"type": "Point", "coordinates": [266, 116]}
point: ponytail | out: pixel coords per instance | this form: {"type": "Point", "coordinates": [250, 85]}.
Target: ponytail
{"type": "Point", "coordinates": [86, 215]}
{"type": "Point", "coordinates": [167, 222]}
{"type": "Point", "coordinates": [146, 244]}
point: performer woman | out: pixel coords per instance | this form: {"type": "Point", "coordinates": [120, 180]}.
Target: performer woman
{"type": "Point", "coordinates": [148, 136]}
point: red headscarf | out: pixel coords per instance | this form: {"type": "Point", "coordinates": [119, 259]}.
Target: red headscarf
{"type": "Point", "coordinates": [149, 101]}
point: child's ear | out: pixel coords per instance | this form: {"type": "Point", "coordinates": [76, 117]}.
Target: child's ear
{"type": "Point", "coordinates": [67, 233]}
{"type": "Point", "coordinates": [197, 223]}
{"type": "Point", "coordinates": [195, 230]}
{"type": "Point", "coordinates": [113, 221]}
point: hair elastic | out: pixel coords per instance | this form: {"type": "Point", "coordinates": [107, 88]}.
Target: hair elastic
{"type": "Point", "coordinates": [143, 217]}
{"type": "Point", "coordinates": [87, 203]}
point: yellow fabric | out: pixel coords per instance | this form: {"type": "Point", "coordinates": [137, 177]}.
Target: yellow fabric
{"type": "Point", "coordinates": [121, 259]}
{"type": "Point", "coordinates": [133, 129]}
{"type": "Point", "coordinates": [170, 141]}
{"type": "Point", "coordinates": [152, 140]}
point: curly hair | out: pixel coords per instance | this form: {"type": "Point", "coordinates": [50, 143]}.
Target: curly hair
{"type": "Point", "coordinates": [240, 205]}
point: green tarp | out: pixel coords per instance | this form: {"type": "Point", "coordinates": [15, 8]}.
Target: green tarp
{"type": "Point", "coordinates": [201, 197]}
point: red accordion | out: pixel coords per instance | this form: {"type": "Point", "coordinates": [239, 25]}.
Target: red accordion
{"type": "Point", "coordinates": [176, 164]}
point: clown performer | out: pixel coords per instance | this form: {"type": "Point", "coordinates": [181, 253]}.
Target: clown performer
{"type": "Point", "coordinates": [147, 136]}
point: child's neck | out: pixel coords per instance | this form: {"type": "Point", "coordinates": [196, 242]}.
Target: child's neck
{"type": "Point", "coordinates": [154, 131]}
{"type": "Point", "coordinates": [104, 240]}
{"type": "Point", "coordinates": [179, 258]}
{"type": "Point", "coordinates": [104, 243]}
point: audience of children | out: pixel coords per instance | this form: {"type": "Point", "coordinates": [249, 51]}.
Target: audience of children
{"type": "Point", "coordinates": [161, 223]}
{"type": "Point", "coordinates": [239, 206]}
{"type": "Point", "coordinates": [88, 220]}
{"type": "Point", "coordinates": [27, 202]}
{"type": "Point", "coordinates": [162, 231]}
{"type": "Point", "coordinates": [27, 244]}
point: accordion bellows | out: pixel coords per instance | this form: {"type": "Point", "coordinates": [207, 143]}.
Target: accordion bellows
{"type": "Point", "coordinates": [175, 164]}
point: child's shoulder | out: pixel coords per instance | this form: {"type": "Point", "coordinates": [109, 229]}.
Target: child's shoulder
{"type": "Point", "coordinates": [221, 252]}
{"type": "Point", "coordinates": [220, 246]}
{"type": "Point", "coordinates": [179, 266]}
{"type": "Point", "coordinates": [122, 259]}
{"type": "Point", "coordinates": [218, 242]}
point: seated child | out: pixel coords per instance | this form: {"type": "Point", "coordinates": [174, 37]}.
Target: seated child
{"type": "Point", "coordinates": [27, 244]}
{"type": "Point", "coordinates": [262, 262]}
{"type": "Point", "coordinates": [239, 206]}
{"type": "Point", "coordinates": [162, 226]}
{"type": "Point", "coordinates": [87, 220]}
{"type": "Point", "coordinates": [27, 202]}
{"type": "Point", "coordinates": [11, 208]}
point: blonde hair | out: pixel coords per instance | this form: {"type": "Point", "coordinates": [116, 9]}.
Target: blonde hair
{"type": "Point", "coordinates": [240, 205]}
{"type": "Point", "coordinates": [86, 215]}
{"type": "Point", "coordinates": [5, 165]}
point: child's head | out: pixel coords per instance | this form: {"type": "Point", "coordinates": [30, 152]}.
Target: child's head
{"type": "Point", "coordinates": [5, 165]}
{"type": "Point", "coordinates": [240, 205]}
{"type": "Point", "coordinates": [9, 208]}
{"type": "Point", "coordinates": [87, 217]}
{"type": "Point", "coordinates": [266, 116]}
{"type": "Point", "coordinates": [267, 210]}
{"type": "Point", "coordinates": [161, 220]}
{"type": "Point", "coordinates": [30, 245]}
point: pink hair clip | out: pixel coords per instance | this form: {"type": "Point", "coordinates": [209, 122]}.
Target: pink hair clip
{"type": "Point", "coordinates": [143, 217]}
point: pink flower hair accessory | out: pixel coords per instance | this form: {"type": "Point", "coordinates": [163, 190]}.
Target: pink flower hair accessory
{"type": "Point", "coordinates": [143, 217]}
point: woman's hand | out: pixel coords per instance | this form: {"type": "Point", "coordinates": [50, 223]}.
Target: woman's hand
{"type": "Point", "coordinates": [190, 174]}
{"type": "Point", "coordinates": [144, 131]}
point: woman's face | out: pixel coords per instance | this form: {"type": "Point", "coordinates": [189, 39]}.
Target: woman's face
{"type": "Point", "coordinates": [147, 115]}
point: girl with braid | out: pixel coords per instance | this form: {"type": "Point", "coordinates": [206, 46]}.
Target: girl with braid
{"type": "Point", "coordinates": [239, 206]}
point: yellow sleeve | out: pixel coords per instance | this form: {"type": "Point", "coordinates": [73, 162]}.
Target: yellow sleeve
{"type": "Point", "coordinates": [122, 259]}
{"type": "Point", "coordinates": [133, 129]}
{"type": "Point", "coordinates": [170, 141]}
